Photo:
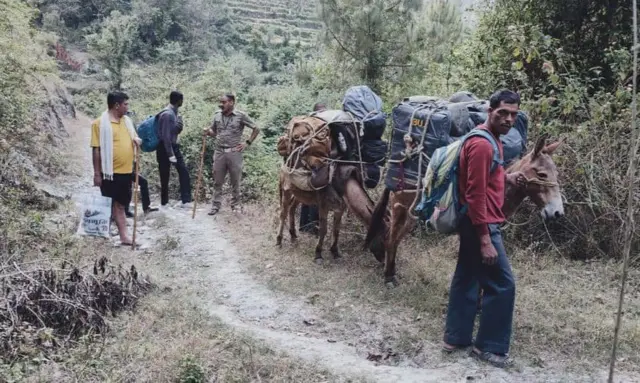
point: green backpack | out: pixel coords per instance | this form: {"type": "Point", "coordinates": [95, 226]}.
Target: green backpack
{"type": "Point", "coordinates": [440, 205]}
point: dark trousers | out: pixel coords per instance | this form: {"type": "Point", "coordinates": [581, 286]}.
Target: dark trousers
{"type": "Point", "coordinates": [144, 191]}
{"type": "Point", "coordinates": [497, 283]}
{"type": "Point", "coordinates": [164, 165]}
{"type": "Point", "coordinates": [308, 217]}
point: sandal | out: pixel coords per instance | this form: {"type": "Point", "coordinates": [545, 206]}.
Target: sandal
{"type": "Point", "coordinates": [213, 211]}
{"type": "Point", "coordinates": [451, 348]}
{"type": "Point", "coordinates": [497, 360]}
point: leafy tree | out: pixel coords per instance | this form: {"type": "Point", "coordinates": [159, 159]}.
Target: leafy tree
{"type": "Point", "coordinates": [112, 45]}
{"type": "Point", "coordinates": [584, 30]}
{"type": "Point", "coordinates": [371, 36]}
{"type": "Point", "coordinates": [201, 27]}
{"type": "Point", "coordinates": [77, 14]}
{"type": "Point", "coordinates": [441, 27]}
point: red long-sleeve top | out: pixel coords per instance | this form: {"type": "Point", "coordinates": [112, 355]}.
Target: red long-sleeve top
{"type": "Point", "coordinates": [481, 190]}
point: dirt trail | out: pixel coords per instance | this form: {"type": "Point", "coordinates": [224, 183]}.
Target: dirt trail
{"type": "Point", "coordinates": [212, 272]}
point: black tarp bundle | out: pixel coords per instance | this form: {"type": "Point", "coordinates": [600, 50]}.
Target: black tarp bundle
{"type": "Point", "coordinates": [447, 122]}
{"type": "Point", "coordinates": [366, 106]}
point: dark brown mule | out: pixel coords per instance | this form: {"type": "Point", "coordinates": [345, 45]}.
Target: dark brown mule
{"type": "Point", "coordinates": [343, 191]}
{"type": "Point", "coordinates": [333, 198]}
{"type": "Point", "coordinates": [391, 219]}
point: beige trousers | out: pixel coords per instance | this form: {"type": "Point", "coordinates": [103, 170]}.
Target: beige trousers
{"type": "Point", "coordinates": [223, 163]}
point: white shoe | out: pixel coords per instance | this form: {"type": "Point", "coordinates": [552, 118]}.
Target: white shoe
{"type": "Point", "coordinates": [187, 205]}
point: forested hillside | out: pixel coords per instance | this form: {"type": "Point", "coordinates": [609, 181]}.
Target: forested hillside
{"type": "Point", "coordinates": [569, 61]}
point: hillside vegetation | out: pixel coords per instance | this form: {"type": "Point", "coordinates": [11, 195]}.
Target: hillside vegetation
{"type": "Point", "coordinates": [569, 61]}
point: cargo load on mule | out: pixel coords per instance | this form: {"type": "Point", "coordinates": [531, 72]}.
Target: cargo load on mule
{"type": "Point", "coordinates": [423, 124]}
{"type": "Point", "coordinates": [366, 106]}
{"type": "Point", "coordinates": [314, 144]}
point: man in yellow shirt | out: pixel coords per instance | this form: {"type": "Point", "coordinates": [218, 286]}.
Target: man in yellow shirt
{"type": "Point", "coordinates": [112, 139]}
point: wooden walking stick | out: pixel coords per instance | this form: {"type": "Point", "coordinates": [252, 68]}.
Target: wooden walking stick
{"type": "Point", "coordinates": [195, 202]}
{"type": "Point", "coordinates": [135, 199]}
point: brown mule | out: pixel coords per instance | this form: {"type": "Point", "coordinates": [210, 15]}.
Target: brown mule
{"type": "Point", "coordinates": [330, 187]}
{"type": "Point", "coordinates": [344, 192]}
{"type": "Point", "coordinates": [391, 220]}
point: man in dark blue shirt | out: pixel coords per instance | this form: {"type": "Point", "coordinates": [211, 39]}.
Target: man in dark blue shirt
{"type": "Point", "coordinates": [168, 152]}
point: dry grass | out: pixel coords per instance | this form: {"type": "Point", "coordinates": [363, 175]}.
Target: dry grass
{"type": "Point", "coordinates": [44, 307]}
{"type": "Point", "coordinates": [168, 339]}
{"type": "Point", "coordinates": [165, 337]}
{"type": "Point", "coordinates": [565, 309]}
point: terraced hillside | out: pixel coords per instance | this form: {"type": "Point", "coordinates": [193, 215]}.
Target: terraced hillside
{"type": "Point", "coordinates": [277, 18]}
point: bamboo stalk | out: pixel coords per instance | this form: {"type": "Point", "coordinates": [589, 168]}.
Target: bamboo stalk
{"type": "Point", "coordinates": [631, 177]}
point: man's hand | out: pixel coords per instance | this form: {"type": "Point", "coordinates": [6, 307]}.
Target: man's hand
{"type": "Point", "coordinates": [517, 179]}
{"type": "Point", "coordinates": [240, 147]}
{"type": "Point", "coordinates": [97, 180]}
{"type": "Point", "coordinates": [207, 132]}
{"type": "Point", "coordinates": [488, 251]}
{"type": "Point", "coordinates": [173, 159]}
{"type": "Point", "coordinates": [137, 142]}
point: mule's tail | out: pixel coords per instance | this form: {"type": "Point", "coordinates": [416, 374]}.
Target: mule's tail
{"type": "Point", "coordinates": [378, 224]}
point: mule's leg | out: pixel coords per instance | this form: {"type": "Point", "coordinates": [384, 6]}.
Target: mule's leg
{"type": "Point", "coordinates": [396, 232]}
{"type": "Point", "coordinates": [292, 220]}
{"type": "Point", "coordinates": [323, 212]}
{"type": "Point", "coordinates": [337, 221]}
{"type": "Point", "coordinates": [284, 210]}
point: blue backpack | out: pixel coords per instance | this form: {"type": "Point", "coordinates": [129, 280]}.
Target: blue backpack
{"type": "Point", "coordinates": [148, 132]}
{"type": "Point", "coordinates": [440, 205]}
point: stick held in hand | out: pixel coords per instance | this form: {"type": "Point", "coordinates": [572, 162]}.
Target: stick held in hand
{"type": "Point", "coordinates": [135, 200]}
{"type": "Point", "coordinates": [195, 201]}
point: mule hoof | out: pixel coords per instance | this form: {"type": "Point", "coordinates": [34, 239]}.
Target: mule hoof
{"type": "Point", "coordinates": [294, 237]}
{"type": "Point", "coordinates": [390, 282]}
{"type": "Point", "coordinates": [336, 254]}
{"type": "Point", "coordinates": [318, 261]}
{"type": "Point", "coordinates": [279, 241]}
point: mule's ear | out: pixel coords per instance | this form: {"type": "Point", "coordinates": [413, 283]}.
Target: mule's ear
{"type": "Point", "coordinates": [539, 145]}
{"type": "Point", "coordinates": [549, 149]}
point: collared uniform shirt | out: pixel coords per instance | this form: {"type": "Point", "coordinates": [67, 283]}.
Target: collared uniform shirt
{"type": "Point", "coordinates": [229, 128]}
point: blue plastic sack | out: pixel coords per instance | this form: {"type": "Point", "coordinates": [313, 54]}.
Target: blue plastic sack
{"type": "Point", "coordinates": [366, 106]}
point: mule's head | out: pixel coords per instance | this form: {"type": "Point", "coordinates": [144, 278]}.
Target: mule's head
{"type": "Point", "coordinates": [542, 186]}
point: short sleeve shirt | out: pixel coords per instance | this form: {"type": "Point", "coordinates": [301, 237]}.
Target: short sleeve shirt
{"type": "Point", "coordinates": [229, 128]}
{"type": "Point", "coordinates": [122, 145]}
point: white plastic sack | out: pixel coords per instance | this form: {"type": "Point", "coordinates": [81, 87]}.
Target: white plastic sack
{"type": "Point", "coordinates": [95, 216]}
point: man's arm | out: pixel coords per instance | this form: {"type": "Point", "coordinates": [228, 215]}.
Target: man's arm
{"type": "Point", "coordinates": [95, 153]}
{"type": "Point", "coordinates": [164, 131]}
{"type": "Point", "coordinates": [479, 158]}
{"type": "Point", "coordinates": [97, 167]}
{"type": "Point", "coordinates": [248, 122]}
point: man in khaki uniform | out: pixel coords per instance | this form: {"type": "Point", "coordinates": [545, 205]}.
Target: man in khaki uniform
{"type": "Point", "coordinates": [227, 127]}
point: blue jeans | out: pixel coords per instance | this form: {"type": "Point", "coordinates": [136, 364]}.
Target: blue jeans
{"type": "Point", "coordinates": [499, 290]}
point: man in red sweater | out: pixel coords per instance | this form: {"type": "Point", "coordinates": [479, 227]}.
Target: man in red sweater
{"type": "Point", "coordinates": [482, 260]}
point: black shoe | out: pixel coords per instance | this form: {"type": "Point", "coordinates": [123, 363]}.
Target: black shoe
{"type": "Point", "coordinates": [128, 214]}
{"type": "Point", "coordinates": [150, 209]}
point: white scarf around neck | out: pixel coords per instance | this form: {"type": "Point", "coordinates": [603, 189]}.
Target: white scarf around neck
{"type": "Point", "coordinates": [106, 143]}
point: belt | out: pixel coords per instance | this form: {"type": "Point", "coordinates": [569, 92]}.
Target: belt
{"type": "Point", "coordinates": [226, 150]}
